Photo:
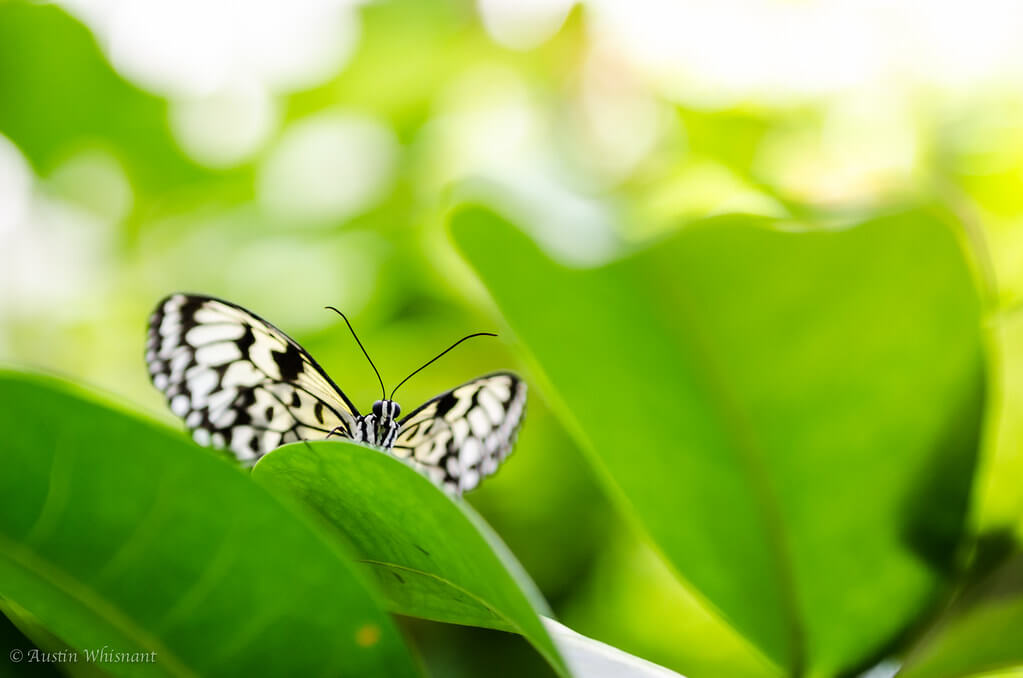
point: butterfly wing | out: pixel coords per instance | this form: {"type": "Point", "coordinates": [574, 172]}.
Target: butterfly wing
{"type": "Point", "coordinates": [463, 435]}
{"type": "Point", "coordinates": [238, 381]}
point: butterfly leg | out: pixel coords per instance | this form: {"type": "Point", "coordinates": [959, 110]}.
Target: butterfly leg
{"type": "Point", "coordinates": [337, 431]}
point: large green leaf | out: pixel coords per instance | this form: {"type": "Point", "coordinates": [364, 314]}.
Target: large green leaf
{"type": "Point", "coordinates": [982, 632]}
{"type": "Point", "coordinates": [68, 96]}
{"type": "Point", "coordinates": [791, 415]}
{"type": "Point", "coordinates": [116, 532]}
{"type": "Point", "coordinates": [432, 557]}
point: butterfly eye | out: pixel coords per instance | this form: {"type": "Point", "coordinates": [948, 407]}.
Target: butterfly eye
{"type": "Point", "coordinates": [378, 409]}
{"type": "Point", "coordinates": [395, 409]}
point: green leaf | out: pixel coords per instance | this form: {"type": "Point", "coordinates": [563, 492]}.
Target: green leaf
{"type": "Point", "coordinates": [999, 501]}
{"type": "Point", "coordinates": [432, 557]}
{"type": "Point", "coordinates": [791, 415]}
{"type": "Point", "coordinates": [983, 632]}
{"type": "Point", "coordinates": [116, 532]}
{"type": "Point", "coordinates": [69, 95]}
{"type": "Point", "coordinates": [15, 637]}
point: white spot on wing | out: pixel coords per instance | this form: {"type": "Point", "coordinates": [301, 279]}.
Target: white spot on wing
{"type": "Point", "coordinates": [225, 418]}
{"type": "Point", "coordinates": [463, 401]}
{"type": "Point", "coordinates": [179, 405]}
{"type": "Point", "coordinates": [469, 480]}
{"type": "Point", "coordinates": [271, 439]}
{"type": "Point", "coordinates": [242, 373]}
{"type": "Point", "coordinates": [500, 386]}
{"type": "Point", "coordinates": [218, 354]}
{"type": "Point", "coordinates": [479, 422]}
{"type": "Point", "coordinates": [241, 437]}
{"type": "Point", "coordinates": [471, 453]}
{"type": "Point", "coordinates": [167, 349]}
{"type": "Point", "coordinates": [209, 314]}
{"type": "Point", "coordinates": [490, 404]}
{"type": "Point", "coordinates": [460, 430]}
{"type": "Point", "coordinates": [207, 334]}
{"type": "Point", "coordinates": [492, 442]}
{"type": "Point", "coordinates": [201, 385]}
{"type": "Point", "coordinates": [222, 399]}
{"type": "Point", "coordinates": [178, 363]}
{"type": "Point", "coordinates": [259, 354]}
{"type": "Point", "coordinates": [431, 452]}
{"type": "Point", "coordinates": [242, 451]}
{"type": "Point", "coordinates": [170, 325]}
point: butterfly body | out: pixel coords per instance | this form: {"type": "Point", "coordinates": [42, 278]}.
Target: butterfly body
{"type": "Point", "coordinates": [240, 383]}
{"type": "Point", "coordinates": [379, 428]}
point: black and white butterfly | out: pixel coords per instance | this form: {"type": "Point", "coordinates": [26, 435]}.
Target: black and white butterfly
{"type": "Point", "coordinates": [242, 384]}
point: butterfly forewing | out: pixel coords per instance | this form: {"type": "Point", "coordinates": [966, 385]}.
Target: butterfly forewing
{"type": "Point", "coordinates": [238, 381]}
{"type": "Point", "coordinates": [463, 435]}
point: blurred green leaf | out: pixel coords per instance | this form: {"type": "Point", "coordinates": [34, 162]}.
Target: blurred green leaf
{"type": "Point", "coordinates": [115, 532]}
{"type": "Point", "coordinates": [36, 636]}
{"type": "Point", "coordinates": [432, 557]}
{"type": "Point", "coordinates": [983, 632]}
{"type": "Point", "coordinates": [999, 501]}
{"type": "Point", "coordinates": [634, 601]}
{"type": "Point", "coordinates": [68, 96]}
{"type": "Point", "coordinates": [792, 416]}
{"type": "Point", "coordinates": [13, 636]}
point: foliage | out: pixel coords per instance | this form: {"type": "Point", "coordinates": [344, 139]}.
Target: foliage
{"type": "Point", "coordinates": [120, 533]}
{"type": "Point", "coordinates": [723, 449]}
{"type": "Point", "coordinates": [779, 374]}
{"type": "Point", "coordinates": [780, 441]}
{"type": "Point", "coordinates": [431, 558]}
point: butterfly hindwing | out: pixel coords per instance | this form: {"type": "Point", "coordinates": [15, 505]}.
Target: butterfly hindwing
{"type": "Point", "coordinates": [238, 381]}
{"type": "Point", "coordinates": [463, 435]}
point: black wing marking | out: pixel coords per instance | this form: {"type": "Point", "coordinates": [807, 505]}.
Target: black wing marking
{"type": "Point", "coordinates": [238, 381]}
{"type": "Point", "coordinates": [463, 435]}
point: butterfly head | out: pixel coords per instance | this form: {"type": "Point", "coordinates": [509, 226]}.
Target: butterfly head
{"type": "Point", "coordinates": [386, 410]}
{"type": "Point", "coordinates": [381, 427]}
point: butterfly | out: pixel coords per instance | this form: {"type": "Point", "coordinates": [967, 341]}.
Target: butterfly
{"type": "Point", "coordinates": [240, 383]}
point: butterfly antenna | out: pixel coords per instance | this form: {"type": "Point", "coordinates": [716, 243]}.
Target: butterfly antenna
{"type": "Point", "coordinates": [478, 334]}
{"type": "Point", "coordinates": [383, 391]}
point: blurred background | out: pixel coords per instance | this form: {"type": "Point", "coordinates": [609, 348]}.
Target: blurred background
{"type": "Point", "coordinates": [287, 156]}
